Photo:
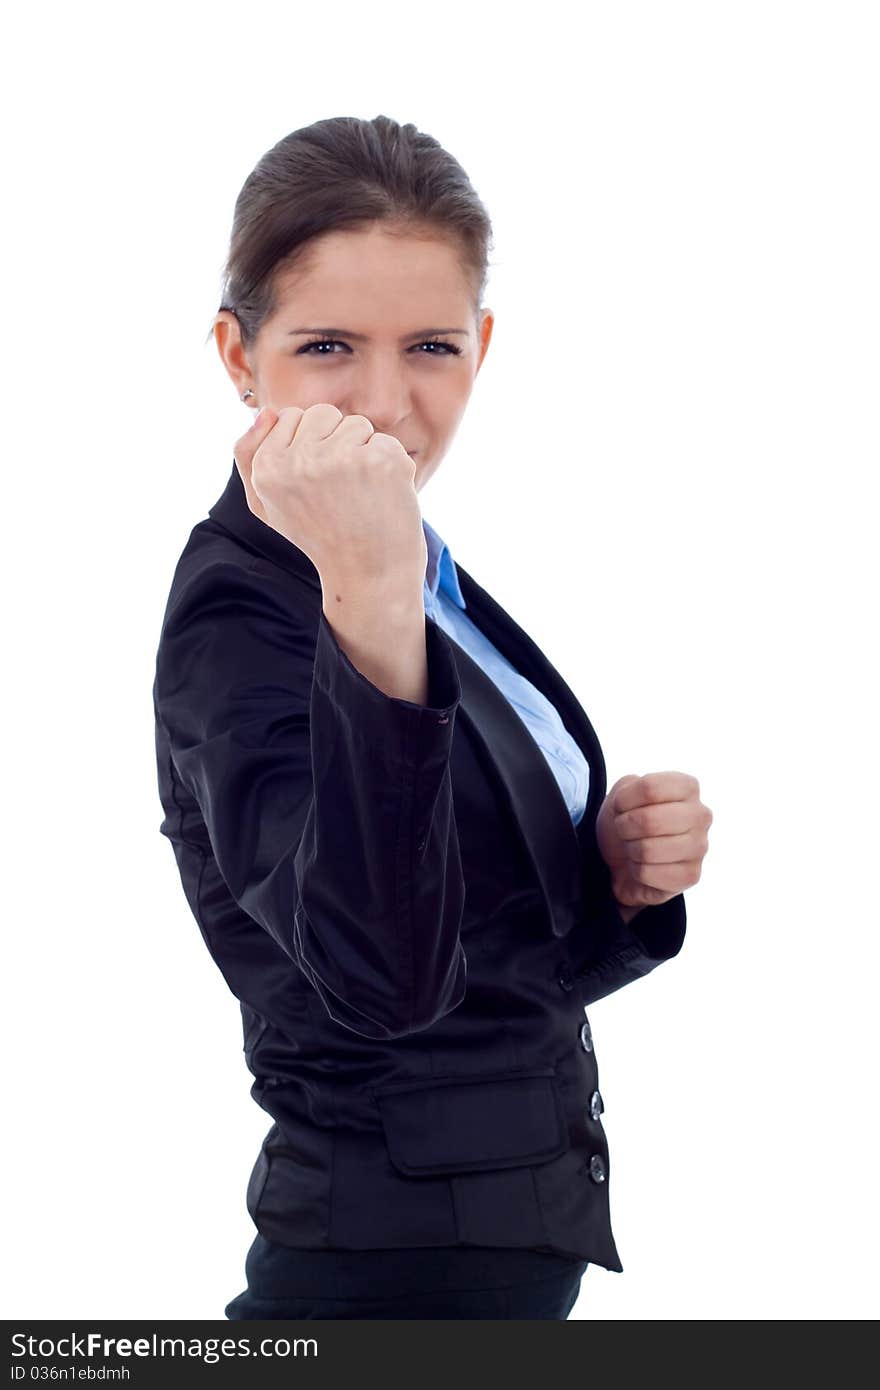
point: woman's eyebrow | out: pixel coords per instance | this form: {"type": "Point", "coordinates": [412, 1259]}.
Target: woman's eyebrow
{"type": "Point", "coordinates": [362, 337]}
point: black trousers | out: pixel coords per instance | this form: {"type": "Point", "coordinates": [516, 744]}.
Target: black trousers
{"type": "Point", "coordinates": [436, 1282]}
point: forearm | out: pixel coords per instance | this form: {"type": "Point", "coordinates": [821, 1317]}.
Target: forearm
{"type": "Point", "coordinates": [327, 805]}
{"type": "Point", "coordinates": [381, 628]}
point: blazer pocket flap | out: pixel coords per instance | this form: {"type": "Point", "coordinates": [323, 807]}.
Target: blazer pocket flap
{"type": "Point", "coordinates": [468, 1124]}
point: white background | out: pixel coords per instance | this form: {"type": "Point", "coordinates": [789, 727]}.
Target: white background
{"type": "Point", "coordinates": [666, 473]}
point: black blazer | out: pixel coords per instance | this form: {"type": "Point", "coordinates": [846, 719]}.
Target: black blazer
{"type": "Point", "coordinates": [399, 899]}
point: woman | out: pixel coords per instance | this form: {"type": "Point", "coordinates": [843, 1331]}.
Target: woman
{"type": "Point", "coordinates": [387, 808]}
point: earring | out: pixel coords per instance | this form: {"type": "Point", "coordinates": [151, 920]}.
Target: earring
{"type": "Point", "coordinates": [245, 394]}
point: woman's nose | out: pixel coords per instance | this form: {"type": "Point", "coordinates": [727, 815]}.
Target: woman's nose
{"type": "Point", "coordinates": [385, 398]}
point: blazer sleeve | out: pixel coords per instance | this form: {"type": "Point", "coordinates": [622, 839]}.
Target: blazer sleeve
{"type": "Point", "coordinates": [328, 803]}
{"type": "Point", "coordinates": [618, 951]}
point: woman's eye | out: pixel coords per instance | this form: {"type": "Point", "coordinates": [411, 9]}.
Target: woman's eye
{"type": "Point", "coordinates": [318, 343]}
{"type": "Point", "coordinates": [447, 349]}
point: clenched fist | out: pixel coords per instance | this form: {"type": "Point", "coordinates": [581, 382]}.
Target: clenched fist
{"type": "Point", "coordinates": [339, 491]}
{"type": "Point", "coordinates": [652, 834]}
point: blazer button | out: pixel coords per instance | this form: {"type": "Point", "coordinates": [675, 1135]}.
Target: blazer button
{"type": "Point", "coordinates": [586, 1037]}
{"type": "Point", "coordinates": [597, 1168]}
{"type": "Point", "coordinates": [565, 978]}
{"type": "Point", "coordinates": [597, 1105]}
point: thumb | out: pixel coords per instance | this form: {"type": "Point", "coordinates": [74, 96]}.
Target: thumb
{"type": "Point", "coordinates": [245, 449]}
{"type": "Point", "coordinates": [250, 441]}
{"type": "Point", "coordinates": [619, 785]}
{"type": "Point", "coordinates": [623, 782]}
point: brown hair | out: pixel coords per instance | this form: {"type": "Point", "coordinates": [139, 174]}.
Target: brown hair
{"type": "Point", "coordinates": [338, 173]}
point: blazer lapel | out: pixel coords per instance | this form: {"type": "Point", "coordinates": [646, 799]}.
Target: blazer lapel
{"type": "Point", "coordinates": [562, 854]}
{"type": "Point", "coordinates": [544, 821]}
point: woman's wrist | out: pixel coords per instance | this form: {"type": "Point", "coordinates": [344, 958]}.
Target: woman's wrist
{"type": "Point", "coordinates": [627, 913]}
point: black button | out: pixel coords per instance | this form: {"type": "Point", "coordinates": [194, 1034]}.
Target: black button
{"type": "Point", "coordinates": [597, 1168]}
{"type": "Point", "coordinates": [597, 1105]}
{"type": "Point", "coordinates": [586, 1037]}
{"type": "Point", "coordinates": [565, 978]}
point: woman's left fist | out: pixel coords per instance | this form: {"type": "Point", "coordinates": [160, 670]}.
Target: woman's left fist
{"type": "Point", "coordinates": [652, 834]}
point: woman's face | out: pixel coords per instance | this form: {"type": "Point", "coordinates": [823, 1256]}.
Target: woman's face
{"type": "Point", "coordinates": [380, 298]}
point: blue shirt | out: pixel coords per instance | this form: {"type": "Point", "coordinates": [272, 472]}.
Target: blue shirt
{"type": "Point", "coordinates": [445, 604]}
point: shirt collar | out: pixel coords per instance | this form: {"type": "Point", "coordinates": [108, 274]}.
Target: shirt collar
{"type": "Point", "coordinates": [441, 572]}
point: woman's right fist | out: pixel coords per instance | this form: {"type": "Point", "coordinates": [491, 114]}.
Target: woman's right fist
{"type": "Point", "coordinates": [332, 486]}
